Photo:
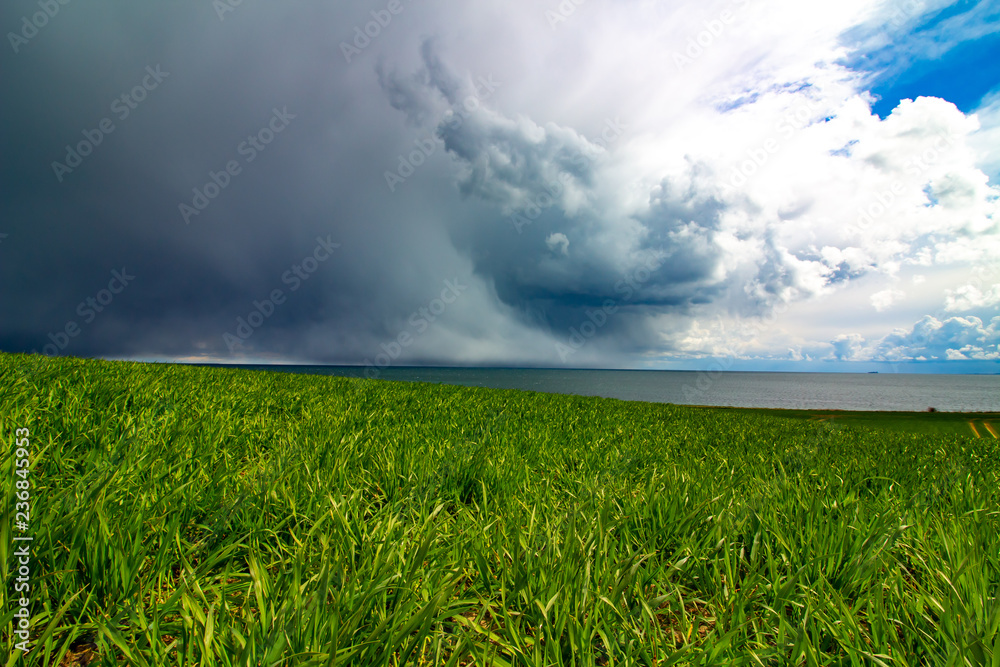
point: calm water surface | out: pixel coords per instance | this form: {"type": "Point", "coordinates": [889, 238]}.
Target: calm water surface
{"type": "Point", "coordinates": [830, 391]}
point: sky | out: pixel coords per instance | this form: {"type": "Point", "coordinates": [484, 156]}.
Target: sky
{"type": "Point", "coordinates": [738, 184]}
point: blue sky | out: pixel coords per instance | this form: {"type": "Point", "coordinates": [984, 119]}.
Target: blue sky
{"type": "Point", "coordinates": [638, 184]}
{"type": "Point", "coordinates": [963, 76]}
{"type": "Point", "coordinates": [952, 53]}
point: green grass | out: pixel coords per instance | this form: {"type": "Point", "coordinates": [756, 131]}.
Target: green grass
{"type": "Point", "coordinates": [931, 423]}
{"type": "Point", "coordinates": [223, 517]}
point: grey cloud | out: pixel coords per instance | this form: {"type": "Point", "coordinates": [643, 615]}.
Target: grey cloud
{"type": "Point", "coordinates": [405, 94]}
{"type": "Point", "coordinates": [559, 264]}
{"type": "Point", "coordinates": [321, 175]}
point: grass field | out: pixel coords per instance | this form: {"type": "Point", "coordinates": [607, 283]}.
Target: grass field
{"type": "Point", "coordinates": [974, 424]}
{"type": "Point", "coordinates": [211, 516]}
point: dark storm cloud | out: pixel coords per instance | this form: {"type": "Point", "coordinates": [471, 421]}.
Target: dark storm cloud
{"type": "Point", "coordinates": [179, 186]}
{"type": "Point", "coordinates": [557, 266]}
